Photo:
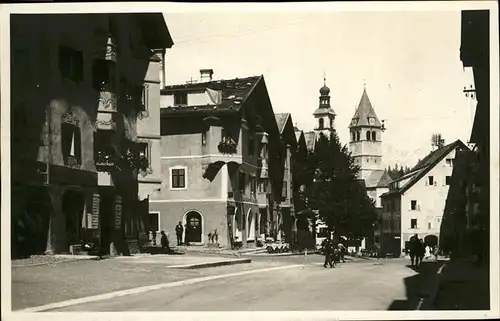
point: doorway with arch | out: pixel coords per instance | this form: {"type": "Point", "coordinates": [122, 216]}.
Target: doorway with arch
{"type": "Point", "coordinates": [194, 227]}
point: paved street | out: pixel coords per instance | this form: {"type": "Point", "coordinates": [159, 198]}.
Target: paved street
{"type": "Point", "coordinates": [357, 285]}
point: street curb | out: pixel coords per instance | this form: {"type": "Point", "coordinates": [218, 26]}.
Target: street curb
{"type": "Point", "coordinates": [210, 264]}
{"type": "Point", "coordinates": [427, 301]}
{"type": "Point", "coordinates": [280, 254]}
{"type": "Point", "coordinates": [85, 258]}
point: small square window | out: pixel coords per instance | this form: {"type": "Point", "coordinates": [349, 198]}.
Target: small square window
{"type": "Point", "coordinates": [180, 99]}
{"type": "Point", "coordinates": [449, 161]}
{"type": "Point", "coordinates": [178, 178]}
{"type": "Point", "coordinates": [154, 221]}
{"type": "Point", "coordinates": [413, 223]}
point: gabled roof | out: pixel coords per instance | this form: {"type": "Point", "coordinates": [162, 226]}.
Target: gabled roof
{"type": "Point", "coordinates": [310, 138]}
{"type": "Point", "coordinates": [425, 165]}
{"type": "Point", "coordinates": [363, 112]}
{"type": "Point", "coordinates": [234, 93]}
{"type": "Point", "coordinates": [281, 119]}
{"type": "Point", "coordinates": [286, 129]}
{"type": "Point", "coordinates": [378, 178]}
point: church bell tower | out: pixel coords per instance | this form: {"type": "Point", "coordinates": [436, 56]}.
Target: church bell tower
{"type": "Point", "coordinates": [365, 132]}
{"type": "Point", "coordinates": [324, 114]}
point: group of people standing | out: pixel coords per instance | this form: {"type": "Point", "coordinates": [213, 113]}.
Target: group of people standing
{"type": "Point", "coordinates": [418, 250]}
{"type": "Point", "coordinates": [334, 252]}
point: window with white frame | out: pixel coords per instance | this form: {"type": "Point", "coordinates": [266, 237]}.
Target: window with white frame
{"type": "Point", "coordinates": [178, 177]}
{"type": "Point", "coordinates": [449, 161]}
{"type": "Point", "coordinates": [154, 221]}
{"type": "Point", "coordinates": [413, 223]}
{"type": "Point", "coordinates": [413, 205]}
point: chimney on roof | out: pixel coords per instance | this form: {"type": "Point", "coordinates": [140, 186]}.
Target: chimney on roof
{"type": "Point", "coordinates": [206, 74]}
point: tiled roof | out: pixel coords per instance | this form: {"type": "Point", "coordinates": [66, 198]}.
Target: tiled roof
{"type": "Point", "coordinates": [310, 138]}
{"type": "Point", "coordinates": [234, 91]}
{"type": "Point", "coordinates": [281, 119]}
{"type": "Point", "coordinates": [378, 178]}
{"type": "Point", "coordinates": [425, 165]}
{"type": "Point", "coordinates": [363, 112]}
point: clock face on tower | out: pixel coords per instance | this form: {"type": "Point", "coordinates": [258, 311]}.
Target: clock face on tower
{"type": "Point", "coordinates": [371, 120]}
{"type": "Point", "coordinates": [354, 121]}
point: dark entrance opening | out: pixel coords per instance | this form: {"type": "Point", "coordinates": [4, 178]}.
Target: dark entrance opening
{"type": "Point", "coordinates": [73, 205]}
{"type": "Point", "coordinates": [31, 208]}
{"type": "Point", "coordinates": [193, 226]}
{"type": "Point", "coordinates": [431, 240]}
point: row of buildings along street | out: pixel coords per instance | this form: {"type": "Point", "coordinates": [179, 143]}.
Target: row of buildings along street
{"type": "Point", "coordinates": [105, 149]}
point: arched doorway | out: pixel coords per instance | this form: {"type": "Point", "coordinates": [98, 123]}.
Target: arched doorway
{"type": "Point", "coordinates": [73, 206]}
{"type": "Point", "coordinates": [431, 240]}
{"type": "Point", "coordinates": [194, 227]}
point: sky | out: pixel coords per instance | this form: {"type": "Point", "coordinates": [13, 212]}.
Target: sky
{"type": "Point", "coordinates": [409, 62]}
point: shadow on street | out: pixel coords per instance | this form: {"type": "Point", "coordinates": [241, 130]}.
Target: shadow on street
{"type": "Point", "coordinates": [417, 286]}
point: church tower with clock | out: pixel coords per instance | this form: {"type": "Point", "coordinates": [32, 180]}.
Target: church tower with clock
{"type": "Point", "coordinates": [366, 138]}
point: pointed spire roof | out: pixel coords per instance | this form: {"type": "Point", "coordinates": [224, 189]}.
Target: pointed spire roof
{"type": "Point", "coordinates": [364, 113]}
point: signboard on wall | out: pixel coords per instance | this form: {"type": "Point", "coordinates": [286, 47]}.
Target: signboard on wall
{"type": "Point", "coordinates": [118, 212]}
{"type": "Point", "coordinates": [93, 217]}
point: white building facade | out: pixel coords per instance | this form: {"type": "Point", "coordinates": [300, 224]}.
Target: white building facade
{"type": "Point", "coordinates": [415, 202]}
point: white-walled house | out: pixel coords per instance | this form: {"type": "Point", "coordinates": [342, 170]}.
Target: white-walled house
{"type": "Point", "coordinates": [415, 202]}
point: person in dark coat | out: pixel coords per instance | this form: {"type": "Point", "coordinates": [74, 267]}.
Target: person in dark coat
{"type": "Point", "coordinates": [420, 252]}
{"type": "Point", "coordinates": [327, 246]}
{"type": "Point", "coordinates": [412, 248]}
{"type": "Point", "coordinates": [164, 242]}
{"type": "Point", "coordinates": [179, 229]}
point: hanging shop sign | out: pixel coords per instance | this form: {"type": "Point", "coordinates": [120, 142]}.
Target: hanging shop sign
{"type": "Point", "coordinates": [93, 217]}
{"type": "Point", "coordinates": [118, 212]}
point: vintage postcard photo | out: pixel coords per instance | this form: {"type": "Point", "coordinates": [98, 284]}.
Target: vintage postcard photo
{"type": "Point", "coordinates": [210, 158]}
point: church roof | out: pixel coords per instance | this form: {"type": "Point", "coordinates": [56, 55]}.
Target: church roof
{"type": "Point", "coordinates": [363, 112]}
{"type": "Point", "coordinates": [324, 111]}
{"type": "Point", "coordinates": [378, 178]}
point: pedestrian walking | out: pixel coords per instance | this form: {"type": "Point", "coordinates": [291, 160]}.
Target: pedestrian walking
{"type": "Point", "coordinates": [327, 246]}
{"type": "Point", "coordinates": [179, 230]}
{"type": "Point", "coordinates": [412, 248]}
{"type": "Point", "coordinates": [420, 253]}
{"type": "Point", "coordinates": [342, 251]}
{"type": "Point", "coordinates": [164, 242]}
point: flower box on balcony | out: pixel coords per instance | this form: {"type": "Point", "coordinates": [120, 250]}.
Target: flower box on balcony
{"type": "Point", "coordinates": [105, 162]}
{"type": "Point", "coordinates": [227, 147]}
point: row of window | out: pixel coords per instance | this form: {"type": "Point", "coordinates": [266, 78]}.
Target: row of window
{"type": "Point", "coordinates": [432, 182]}
{"type": "Point", "coordinates": [103, 73]}
{"type": "Point", "coordinates": [396, 224]}
{"type": "Point", "coordinates": [414, 223]}
{"type": "Point", "coordinates": [321, 123]}
{"type": "Point", "coordinates": [179, 175]}
{"type": "Point", "coordinates": [370, 135]}
{"type": "Point", "coordinates": [72, 145]}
